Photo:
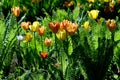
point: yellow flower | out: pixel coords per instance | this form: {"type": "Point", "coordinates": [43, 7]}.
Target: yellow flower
{"type": "Point", "coordinates": [86, 25]}
{"type": "Point", "coordinates": [28, 37]}
{"type": "Point", "coordinates": [36, 24]}
{"type": "Point", "coordinates": [93, 14]}
{"type": "Point", "coordinates": [106, 0]}
{"type": "Point", "coordinates": [34, 27]}
{"type": "Point", "coordinates": [91, 0]}
{"type": "Point", "coordinates": [61, 34]}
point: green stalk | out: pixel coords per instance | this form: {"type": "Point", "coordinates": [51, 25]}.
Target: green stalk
{"type": "Point", "coordinates": [42, 44]}
{"type": "Point", "coordinates": [34, 41]}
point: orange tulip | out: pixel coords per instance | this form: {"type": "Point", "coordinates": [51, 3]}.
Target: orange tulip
{"type": "Point", "coordinates": [111, 24]}
{"type": "Point", "coordinates": [44, 55]}
{"type": "Point", "coordinates": [25, 25]}
{"type": "Point", "coordinates": [48, 42]}
{"type": "Point", "coordinates": [41, 31]}
{"type": "Point", "coordinates": [16, 11]}
{"type": "Point", "coordinates": [64, 24]}
{"type": "Point", "coordinates": [54, 26]}
{"type": "Point", "coordinates": [68, 3]}
{"type": "Point", "coordinates": [72, 28]}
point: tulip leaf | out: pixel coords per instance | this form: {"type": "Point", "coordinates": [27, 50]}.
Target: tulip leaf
{"type": "Point", "coordinates": [70, 46]}
{"type": "Point", "coordinates": [64, 63]}
{"type": "Point", "coordinates": [117, 36]}
{"type": "Point", "coordinates": [76, 13]}
{"type": "Point", "coordinates": [2, 30]}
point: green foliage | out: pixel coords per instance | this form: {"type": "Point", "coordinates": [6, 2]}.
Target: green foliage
{"type": "Point", "coordinates": [87, 54]}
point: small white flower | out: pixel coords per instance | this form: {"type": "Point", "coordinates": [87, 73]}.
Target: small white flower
{"type": "Point", "coordinates": [20, 38]}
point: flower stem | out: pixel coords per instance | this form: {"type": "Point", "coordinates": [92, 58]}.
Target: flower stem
{"type": "Point", "coordinates": [34, 41]}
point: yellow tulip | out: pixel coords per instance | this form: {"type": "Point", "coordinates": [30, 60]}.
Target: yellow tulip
{"type": "Point", "coordinates": [93, 14]}
{"type": "Point", "coordinates": [61, 34]}
{"type": "Point", "coordinates": [106, 0]}
{"type": "Point", "coordinates": [86, 25]}
{"type": "Point", "coordinates": [36, 24]}
{"type": "Point", "coordinates": [91, 0]}
{"type": "Point", "coordinates": [28, 37]}
{"type": "Point", "coordinates": [34, 27]}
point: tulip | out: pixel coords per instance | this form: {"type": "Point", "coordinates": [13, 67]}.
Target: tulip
{"type": "Point", "coordinates": [93, 14]}
{"type": "Point", "coordinates": [44, 55]}
{"type": "Point", "coordinates": [72, 28]}
{"type": "Point", "coordinates": [34, 27]}
{"type": "Point", "coordinates": [54, 26]}
{"type": "Point", "coordinates": [64, 24]}
{"type": "Point", "coordinates": [91, 0]}
{"type": "Point", "coordinates": [28, 37]}
{"type": "Point", "coordinates": [16, 11]}
{"type": "Point", "coordinates": [48, 42]}
{"type": "Point", "coordinates": [36, 24]}
{"type": "Point", "coordinates": [106, 0]}
{"type": "Point", "coordinates": [111, 24]}
{"type": "Point", "coordinates": [67, 3]}
{"type": "Point", "coordinates": [86, 25]}
{"type": "Point", "coordinates": [25, 25]}
{"type": "Point", "coordinates": [61, 34]}
{"type": "Point", "coordinates": [41, 31]}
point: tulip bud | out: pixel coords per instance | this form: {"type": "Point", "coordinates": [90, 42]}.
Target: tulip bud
{"type": "Point", "coordinates": [111, 24]}
{"type": "Point", "coordinates": [44, 55]}
{"type": "Point", "coordinates": [86, 25]}
{"type": "Point", "coordinates": [41, 31]}
{"type": "Point", "coordinates": [48, 42]}
{"type": "Point", "coordinates": [16, 11]}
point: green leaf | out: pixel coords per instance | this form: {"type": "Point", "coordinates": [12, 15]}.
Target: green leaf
{"type": "Point", "coordinates": [2, 31]}
{"type": "Point", "coordinates": [117, 36]}
{"type": "Point", "coordinates": [76, 13]}
{"type": "Point", "coordinates": [25, 76]}
{"type": "Point", "coordinates": [70, 46]}
{"type": "Point", "coordinates": [64, 62]}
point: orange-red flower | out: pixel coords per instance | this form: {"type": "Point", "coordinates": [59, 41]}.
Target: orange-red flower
{"type": "Point", "coordinates": [16, 11]}
{"type": "Point", "coordinates": [54, 26]}
{"type": "Point", "coordinates": [48, 41]}
{"type": "Point", "coordinates": [44, 55]}
{"type": "Point", "coordinates": [25, 25]}
{"type": "Point", "coordinates": [41, 31]}
{"type": "Point", "coordinates": [111, 24]}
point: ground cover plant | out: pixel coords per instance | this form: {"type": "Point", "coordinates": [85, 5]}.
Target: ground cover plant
{"type": "Point", "coordinates": [60, 40]}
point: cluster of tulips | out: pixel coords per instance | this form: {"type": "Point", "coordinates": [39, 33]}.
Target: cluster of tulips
{"type": "Point", "coordinates": [32, 28]}
{"type": "Point", "coordinates": [64, 28]}
{"type": "Point", "coordinates": [93, 14]}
